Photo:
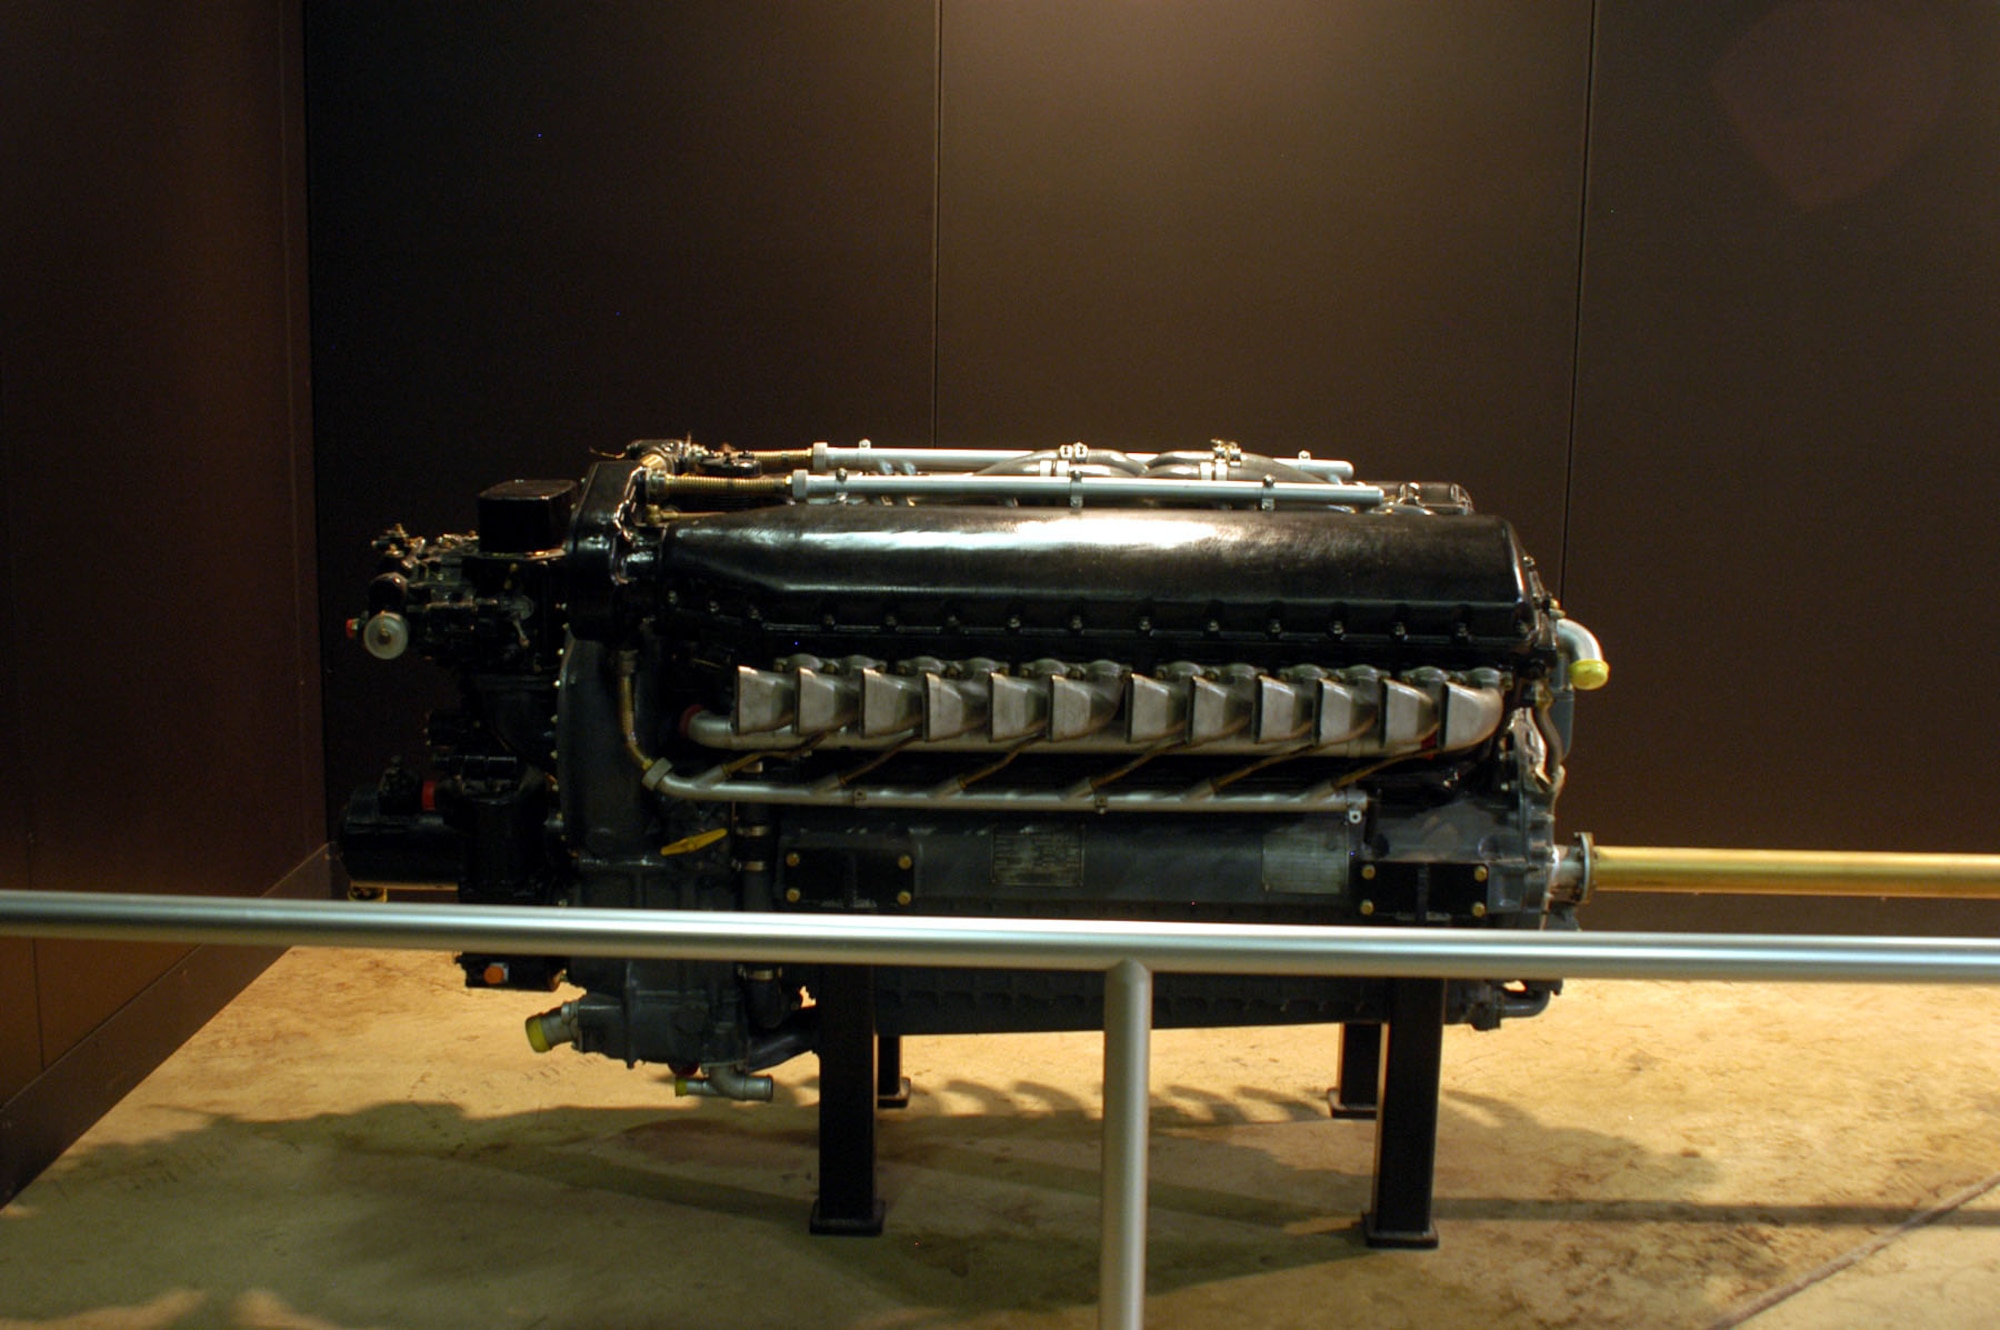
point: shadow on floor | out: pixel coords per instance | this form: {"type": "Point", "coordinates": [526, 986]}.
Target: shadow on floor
{"type": "Point", "coordinates": [414, 1213]}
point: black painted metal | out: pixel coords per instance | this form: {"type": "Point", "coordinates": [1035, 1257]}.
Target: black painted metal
{"type": "Point", "coordinates": [892, 1087]}
{"type": "Point", "coordinates": [1453, 589]}
{"type": "Point", "coordinates": [1406, 1137]}
{"type": "Point", "coordinates": [847, 1204]}
{"type": "Point", "coordinates": [1358, 1094]}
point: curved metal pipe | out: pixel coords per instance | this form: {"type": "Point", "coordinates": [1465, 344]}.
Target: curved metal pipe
{"type": "Point", "coordinates": [1587, 667]}
{"type": "Point", "coordinates": [723, 1080]}
{"type": "Point", "coordinates": [556, 1026]}
{"type": "Point", "coordinates": [628, 709]}
{"type": "Point", "coordinates": [798, 1035]}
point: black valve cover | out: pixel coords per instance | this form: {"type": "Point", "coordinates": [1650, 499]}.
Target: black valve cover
{"type": "Point", "coordinates": [1140, 585]}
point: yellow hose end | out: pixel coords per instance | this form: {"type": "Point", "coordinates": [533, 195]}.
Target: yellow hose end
{"type": "Point", "coordinates": [699, 841]}
{"type": "Point", "coordinates": [538, 1038]}
{"type": "Point", "coordinates": [1586, 675]}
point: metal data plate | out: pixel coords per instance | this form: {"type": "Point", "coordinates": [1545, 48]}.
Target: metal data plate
{"type": "Point", "coordinates": [1310, 859]}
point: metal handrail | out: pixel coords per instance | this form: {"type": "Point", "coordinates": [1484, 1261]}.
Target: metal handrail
{"type": "Point", "coordinates": [992, 943]}
{"type": "Point", "coordinates": [1128, 953]}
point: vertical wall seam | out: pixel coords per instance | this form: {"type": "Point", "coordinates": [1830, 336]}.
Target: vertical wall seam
{"type": "Point", "coordinates": [937, 195]}
{"type": "Point", "coordinates": [1576, 327]}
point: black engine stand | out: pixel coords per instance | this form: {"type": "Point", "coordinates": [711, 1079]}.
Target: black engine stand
{"type": "Point", "coordinates": [847, 1204]}
{"type": "Point", "coordinates": [1406, 1133]}
{"type": "Point", "coordinates": [892, 1087]}
{"type": "Point", "coordinates": [1357, 1095]}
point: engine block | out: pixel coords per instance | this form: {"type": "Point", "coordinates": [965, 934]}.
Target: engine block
{"type": "Point", "coordinates": [1202, 685]}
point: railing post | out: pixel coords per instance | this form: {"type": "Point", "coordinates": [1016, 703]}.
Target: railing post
{"type": "Point", "coordinates": [1128, 1035]}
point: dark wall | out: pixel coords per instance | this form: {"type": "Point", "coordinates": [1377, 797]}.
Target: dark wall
{"type": "Point", "coordinates": [21, 1037]}
{"type": "Point", "coordinates": [1702, 298]}
{"type": "Point", "coordinates": [540, 230]}
{"type": "Point", "coordinates": [158, 638]}
{"type": "Point", "coordinates": [1345, 227]}
{"type": "Point", "coordinates": [1785, 469]}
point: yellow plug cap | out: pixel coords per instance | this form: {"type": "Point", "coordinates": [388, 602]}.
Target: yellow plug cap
{"type": "Point", "coordinates": [538, 1038]}
{"type": "Point", "coordinates": [1585, 675]}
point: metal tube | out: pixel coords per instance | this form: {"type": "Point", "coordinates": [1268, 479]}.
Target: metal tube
{"type": "Point", "coordinates": [1128, 1032]}
{"type": "Point", "coordinates": [1047, 944]}
{"type": "Point", "coordinates": [719, 785]}
{"type": "Point", "coordinates": [628, 711]}
{"type": "Point", "coordinates": [822, 458]}
{"type": "Point", "coordinates": [1081, 489]}
{"type": "Point", "coordinates": [1586, 668]}
{"type": "Point", "coordinates": [923, 459]}
{"type": "Point", "coordinates": [1794, 872]}
{"type": "Point", "coordinates": [722, 1080]}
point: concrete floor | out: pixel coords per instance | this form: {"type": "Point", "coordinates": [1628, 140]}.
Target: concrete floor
{"type": "Point", "coordinates": [357, 1141]}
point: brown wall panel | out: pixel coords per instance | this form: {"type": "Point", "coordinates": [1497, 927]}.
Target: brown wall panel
{"type": "Point", "coordinates": [157, 468]}
{"type": "Point", "coordinates": [20, 1032]}
{"type": "Point", "coordinates": [1785, 472]}
{"type": "Point", "coordinates": [20, 1039]}
{"type": "Point", "coordinates": [1346, 226]}
{"type": "Point", "coordinates": [541, 230]}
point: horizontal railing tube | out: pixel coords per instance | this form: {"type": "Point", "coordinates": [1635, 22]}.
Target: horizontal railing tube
{"type": "Point", "coordinates": [999, 943]}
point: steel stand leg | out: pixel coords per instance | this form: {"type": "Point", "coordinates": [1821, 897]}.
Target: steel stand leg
{"type": "Point", "coordinates": [847, 1204]}
{"type": "Point", "coordinates": [892, 1087]}
{"type": "Point", "coordinates": [1358, 1093]}
{"type": "Point", "coordinates": [1128, 1056]}
{"type": "Point", "coordinates": [1406, 1136]}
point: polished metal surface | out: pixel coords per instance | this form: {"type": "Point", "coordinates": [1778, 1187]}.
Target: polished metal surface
{"type": "Point", "coordinates": [1078, 488]}
{"type": "Point", "coordinates": [1128, 1030]}
{"type": "Point", "coordinates": [1794, 872]}
{"type": "Point", "coordinates": [999, 943]}
{"type": "Point", "coordinates": [869, 458]}
{"type": "Point", "coordinates": [720, 785]}
{"type": "Point", "coordinates": [1105, 707]}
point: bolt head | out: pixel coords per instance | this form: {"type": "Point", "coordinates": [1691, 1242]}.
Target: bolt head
{"type": "Point", "coordinates": [792, 895]}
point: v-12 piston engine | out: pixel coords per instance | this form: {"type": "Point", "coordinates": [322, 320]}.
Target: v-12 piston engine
{"type": "Point", "coordinates": [1203, 686]}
